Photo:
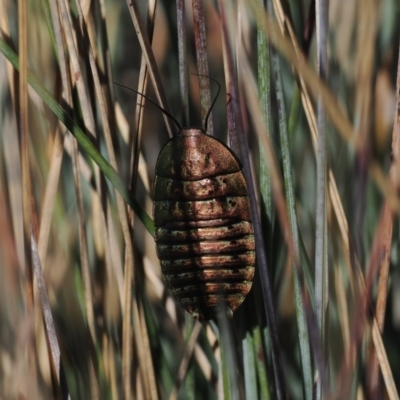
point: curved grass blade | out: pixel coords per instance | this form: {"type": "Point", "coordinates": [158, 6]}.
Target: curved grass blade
{"type": "Point", "coordinates": [82, 139]}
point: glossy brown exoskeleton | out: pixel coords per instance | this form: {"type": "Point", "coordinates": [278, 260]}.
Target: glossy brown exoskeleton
{"type": "Point", "coordinates": [204, 236]}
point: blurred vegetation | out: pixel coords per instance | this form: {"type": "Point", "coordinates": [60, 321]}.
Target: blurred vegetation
{"type": "Point", "coordinates": [119, 332]}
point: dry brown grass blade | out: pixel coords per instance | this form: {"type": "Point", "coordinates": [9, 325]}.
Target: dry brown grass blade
{"type": "Point", "coordinates": [123, 127]}
{"type": "Point", "coordinates": [127, 324]}
{"type": "Point", "coordinates": [344, 312]}
{"type": "Point", "coordinates": [12, 291]}
{"type": "Point", "coordinates": [160, 289]}
{"type": "Point", "coordinates": [40, 258]}
{"type": "Point", "coordinates": [135, 141]}
{"type": "Point", "coordinates": [48, 320]}
{"type": "Point", "coordinates": [204, 362]}
{"type": "Point", "coordinates": [385, 243]}
{"type": "Point", "coordinates": [199, 30]}
{"type": "Point", "coordinates": [185, 360]}
{"type": "Point", "coordinates": [15, 379]}
{"type": "Point", "coordinates": [366, 37]}
{"type": "Point", "coordinates": [55, 18]}
{"type": "Point", "coordinates": [145, 377]}
{"type": "Point", "coordinates": [151, 62]}
{"type": "Point", "coordinates": [181, 25]}
{"type": "Point", "coordinates": [385, 246]}
{"type": "Point", "coordinates": [105, 66]}
{"type": "Point", "coordinates": [384, 363]}
{"type": "Point", "coordinates": [50, 194]}
{"type": "Point", "coordinates": [11, 145]}
{"type": "Point", "coordinates": [367, 27]}
{"type": "Point", "coordinates": [233, 144]}
{"type": "Point", "coordinates": [109, 365]}
{"type": "Point", "coordinates": [147, 366]}
{"type": "Point", "coordinates": [140, 102]}
{"type": "Point", "coordinates": [112, 253]}
{"type": "Point", "coordinates": [342, 222]}
{"type": "Point", "coordinates": [26, 193]}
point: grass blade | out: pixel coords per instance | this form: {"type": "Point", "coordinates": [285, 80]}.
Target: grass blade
{"type": "Point", "coordinates": [49, 321]}
{"type": "Point", "coordinates": [264, 79]}
{"type": "Point", "coordinates": [82, 139]}
{"type": "Point", "coordinates": [262, 259]}
{"type": "Point", "coordinates": [250, 372]}
{"type": "Point", "coordinates": [202, 61]}
{"type": "Point", "coordinates": [24, 134]}
{"type": "Point", "coordinates": [185, 360]}
{"type": "Point", "coordinates": [291, 205]}
{"type": "Point", "coordinates": [385, 244]}
{"type": "Point", "coordinates": [321, 249]}
{"type": "Point", "coordinates": [151, 62]}
{"type": "Point", "coordinates": [182, 55]}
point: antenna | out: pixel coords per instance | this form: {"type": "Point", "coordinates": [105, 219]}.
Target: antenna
{"type": "Point", "coordinates": [214, 101]}
{"type": "Point", "coordinates": [154, 104]}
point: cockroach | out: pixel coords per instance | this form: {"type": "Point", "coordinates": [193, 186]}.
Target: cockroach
{"type": "Point", "coordinates": [204, 235]}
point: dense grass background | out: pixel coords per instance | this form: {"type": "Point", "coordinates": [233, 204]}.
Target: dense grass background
{"type": "Point", "coordinates": [308, 102]}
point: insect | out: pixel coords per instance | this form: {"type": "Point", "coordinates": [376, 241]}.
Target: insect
{"type": "Point", "coordinates": [204, 235]}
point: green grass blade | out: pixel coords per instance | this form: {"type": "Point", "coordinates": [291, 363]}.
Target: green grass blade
{"type": "Point", "coordinates": [261, 363]}
{"type": "Point", "coordinates": [321, 251]}
{"type": "Point", "coordinates": [82, 139]}
{"type": "Point", "coordinates": [264, 90]}
{"type": "Point", "coordinates": [249, 365]}
{"type": "Point", "coordinates": [227, 367]}
{"type": "Point", "coordinates": [291, 205]}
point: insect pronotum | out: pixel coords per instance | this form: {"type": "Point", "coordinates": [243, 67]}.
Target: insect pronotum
{"type": "Point", "coordinates": [204, 236]}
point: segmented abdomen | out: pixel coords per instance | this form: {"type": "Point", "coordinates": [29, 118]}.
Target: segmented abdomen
{"type": "Point", "coordinates": [204, 236]}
